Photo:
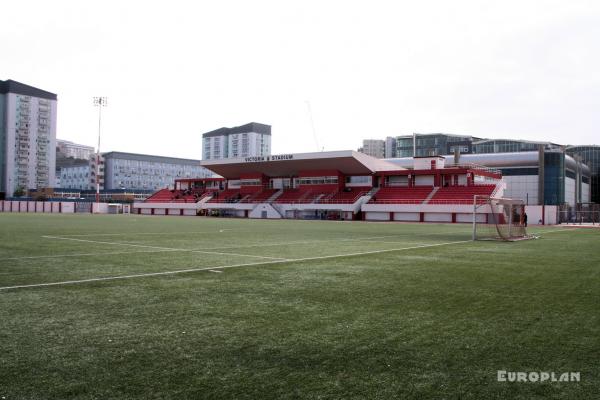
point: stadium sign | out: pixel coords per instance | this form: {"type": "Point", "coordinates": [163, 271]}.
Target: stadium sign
{"type": "Point", "coordinates": [279, 157]}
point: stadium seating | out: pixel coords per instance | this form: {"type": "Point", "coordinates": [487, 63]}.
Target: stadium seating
{"type": "Point", "coordinates": [227, 196]}
{"type": "Point", "coordinates": [401, 195]}
{"type": "Point", "coordinates": [292, 195]}
{"type": "Point", "coordinates": [175, 196]}
{"type": "Point", "coordinates": [302, 195]}
{"type": "Point", "coordinates": [162, 196]}
{"type": "Point", "coordinates": [460, 194]}
{"type": "Point", "coordinates": [347, 196]}
{"type": "Point", "coordinates": [261, 196]}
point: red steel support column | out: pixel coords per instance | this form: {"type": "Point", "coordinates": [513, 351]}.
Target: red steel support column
{"type": "Point", "coordinates": [453, 218]}
{"type": "Point", "coordinates": [421, 217]}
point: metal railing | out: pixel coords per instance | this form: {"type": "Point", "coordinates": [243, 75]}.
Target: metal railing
{"type": "Point", "coordinates": [421, 201]}
{"type": "Point", "coordinates": [473, 166]}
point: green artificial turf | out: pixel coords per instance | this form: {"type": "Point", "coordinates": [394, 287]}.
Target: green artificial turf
{"type": "Point", "coordinates": [411, 314]}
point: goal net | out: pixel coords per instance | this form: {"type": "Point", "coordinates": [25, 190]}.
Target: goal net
{"type": "Point", "coordinates": [499, 219]}
{"type": "Point", "coordinates": [118, 208]}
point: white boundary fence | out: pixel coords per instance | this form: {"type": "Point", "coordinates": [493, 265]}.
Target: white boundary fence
{"type": "Point", "coordinates": [62, 207]}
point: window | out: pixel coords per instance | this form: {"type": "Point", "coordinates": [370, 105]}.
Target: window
{"type": "Point", "coordinates": [318, 180]}
{"type": "Point", "coordinates": [251, 182]}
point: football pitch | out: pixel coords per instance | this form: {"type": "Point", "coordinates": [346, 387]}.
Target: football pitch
{"type": "Point", "coordinates": [141, 307]}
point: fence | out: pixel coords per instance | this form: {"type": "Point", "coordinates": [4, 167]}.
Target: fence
{"type": "Point", "coordinates": [584, 213]}
{"type": "Point", "coordinates": [63, 207]}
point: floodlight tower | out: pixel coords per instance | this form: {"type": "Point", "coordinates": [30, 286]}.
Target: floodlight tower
{"type": "Point", "coordinates": [99, 102]}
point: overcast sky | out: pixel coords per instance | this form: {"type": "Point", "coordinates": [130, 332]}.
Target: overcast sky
{"type": "Point", "coordinates": [175, 69]}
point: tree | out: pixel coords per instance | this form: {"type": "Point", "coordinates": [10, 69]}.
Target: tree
{"type": "Point", "coordinates": [19, 192]}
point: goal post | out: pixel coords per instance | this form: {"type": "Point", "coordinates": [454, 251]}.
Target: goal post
{"type": "Point", "coordinates": [499, 219]}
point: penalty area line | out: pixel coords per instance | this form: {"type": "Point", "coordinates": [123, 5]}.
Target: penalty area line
{"type": "Point", "coordinates": [217, 268]}
{"type": "Point", "coordinates": [160, 248]}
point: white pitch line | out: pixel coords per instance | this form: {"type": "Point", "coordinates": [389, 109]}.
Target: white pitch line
{"type": "Point", "coordinates": [334, 240]}
{"type": "Point", "coordinates": [159, 248]}
{"type": "Point", "coordinates": [556, 230]}
{"type": "Point", "coordinates": [302, 242]}
{"type": "Point", "coordinates": [109, 253]}
{"type": "Point", "coordinates": [182, 271]}
{"type": "Point", "coordinates": [149, 233]}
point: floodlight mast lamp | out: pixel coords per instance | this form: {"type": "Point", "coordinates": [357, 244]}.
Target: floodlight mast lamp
{"type": "Point", "coordinates": [99, 102]}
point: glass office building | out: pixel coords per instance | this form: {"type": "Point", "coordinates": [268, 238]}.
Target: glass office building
{"type": "Point", "coordinates": [487, 146]}
{"type": "Point", "coordinates": [554, 178]}
{"type": "Point", "coordinates": [567, 174]}
{"type": "Point", "coordinates": [440, 144]}
{"type": "Point", "coordinates": [591, 156]}
{"type": "Point", "coordinates": [432, 144]}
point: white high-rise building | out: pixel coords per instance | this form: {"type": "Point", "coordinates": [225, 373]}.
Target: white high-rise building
{"type": "Point", "coordinates": [27, 137]}
{"type": "Point", "coordinates": [250, 140]}
{"type": "Point", "coordinates": [374, 148]}
{"type": "Point", "coordinates": [74, 150]}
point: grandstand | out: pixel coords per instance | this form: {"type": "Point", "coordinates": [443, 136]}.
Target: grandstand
{"type": "Point", "coordinates": [187, 191]}
{"type": "Point", "coordinates": [332, 185]}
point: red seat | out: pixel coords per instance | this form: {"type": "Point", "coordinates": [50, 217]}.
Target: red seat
{"type": "Point", "coordinates": [460, 194]}
{"type": "Point", "coordinates": [401, 195]}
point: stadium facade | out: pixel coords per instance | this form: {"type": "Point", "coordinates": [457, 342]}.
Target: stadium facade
{"type": "Point", "coordinates": [351, 185]}
{"type": "Point", "coordinates": [573, 191]}
{"type": "Point", "coordinates": [343, 185]}
{"type": "Point", "coordinates": [547, 177]}
{"type": "Point", "coordinates": [27, 137]}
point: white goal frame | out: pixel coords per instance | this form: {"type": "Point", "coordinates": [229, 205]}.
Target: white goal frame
{"type": "Point", "coordinates": [512, 226]}
{"type": "Point", "coordinates": [118, 208]}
